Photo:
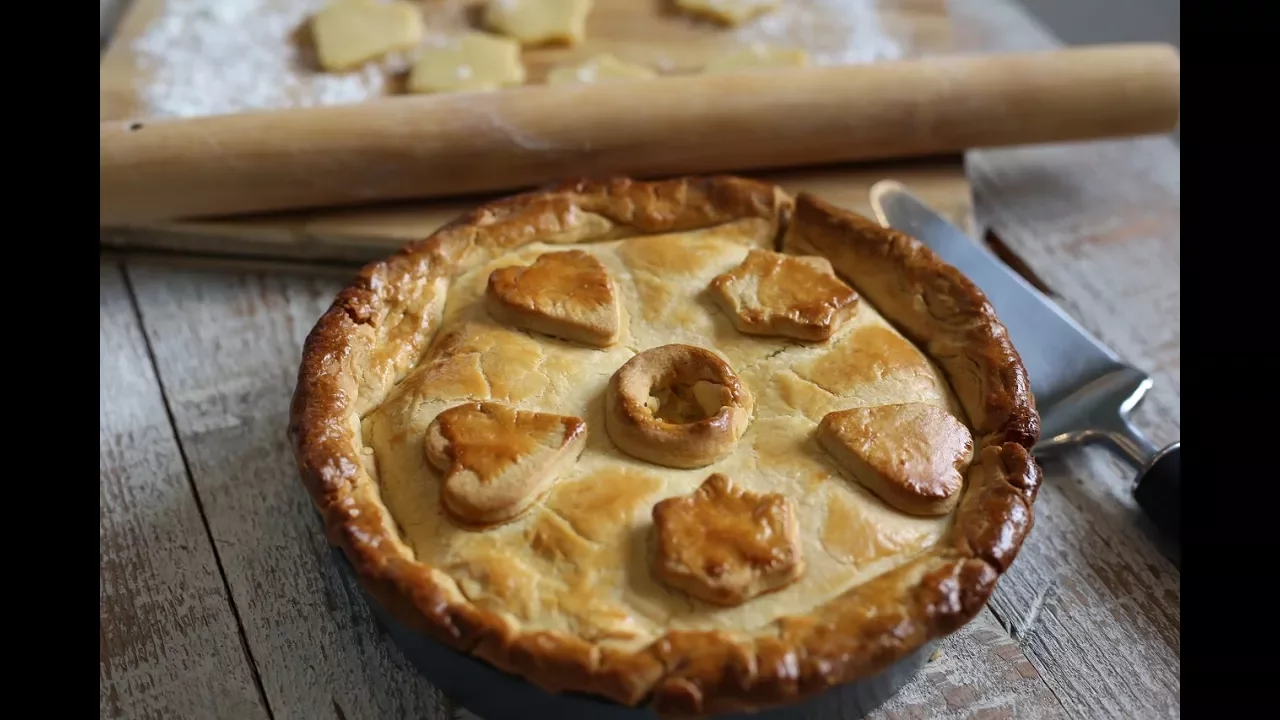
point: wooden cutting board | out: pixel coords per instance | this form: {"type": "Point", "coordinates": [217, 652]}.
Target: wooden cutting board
{"type": "Point", "coordinates": [156, 47]}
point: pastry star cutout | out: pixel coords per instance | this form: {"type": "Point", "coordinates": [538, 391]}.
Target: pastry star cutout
{"type": "Point", "coordinates": [539, 22]}
{"type": "Point", "coordinates": [911, 455]}
{"type": "Point", "coordinates": [773, 293]}
{"type": "Point", "coordinates": [498, 460]}
{"type": "Point", "coordinates": [725, 545]}
{"type": "Point", "coordinates": [349, 33]}
{"type": "Point", "coordinates": [566, 294]}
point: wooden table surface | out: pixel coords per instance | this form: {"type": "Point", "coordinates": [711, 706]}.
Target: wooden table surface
{"type": "Point", "coordinates": [219, 599]}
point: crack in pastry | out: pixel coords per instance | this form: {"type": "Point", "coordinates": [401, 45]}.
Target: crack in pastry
{"type": "Point", "coordinates": [725, 545]}
{"type": "Point", "coordinates": [792, 296]}
{"type": "Point", "coordinates": [677, 405]}
{"type": "Point", "coordinates": [862, 533]}
{"type": "Point", "coordinates": [539, 22]}
{"type": "Point", "coordinates": [566, 294]}
{"type": "Point", "coordinates": [498, 460]}
{"type": "Point", "coordinates": [912, 455]}
{"type": "Point", "coordinates": [600, 505]}
{"type": "Point", "coordinates": [872, 355]}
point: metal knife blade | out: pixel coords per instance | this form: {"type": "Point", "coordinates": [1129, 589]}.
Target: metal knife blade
{"type": "Point", "coordinates": [1059, 354]}
{"type": "Point", "coordinates": [1083, 389]}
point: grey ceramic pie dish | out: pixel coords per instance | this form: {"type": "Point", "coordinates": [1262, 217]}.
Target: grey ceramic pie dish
{"type": "Point", "coordinates": [496, 695]}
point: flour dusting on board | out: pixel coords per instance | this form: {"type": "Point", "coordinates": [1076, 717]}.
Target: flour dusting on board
{"type": "Point", "coordinates": [208, 57]}
{"type": "Point", "coordinates": [834, 32]}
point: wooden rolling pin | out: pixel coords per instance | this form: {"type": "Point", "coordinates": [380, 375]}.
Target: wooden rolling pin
{"type": "Point", "coordinates": [448, 145]}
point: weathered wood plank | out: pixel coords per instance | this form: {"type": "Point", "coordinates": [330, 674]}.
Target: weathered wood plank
{"type": "Point", "coordinates": [979, 672]}
{"type": "Point", "coordinates": [1092, 601]}
{"type": "Point", "coordinates": [169, 642]}
{"type": "Point", "coordinates": [1100, 224]}
{"type": "Point", "coordinates": [227, 351]}
{"type": "Point", "coordinates": [1092, 598]}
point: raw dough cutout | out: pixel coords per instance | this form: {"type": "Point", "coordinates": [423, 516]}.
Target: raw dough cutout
{"type": "Point", "coordinates": [349, 33]}
{"type": "Point", "coordinates": [728, 12]}
{"type": "Point", "coordinates": [539, 22]}
{"type": "Point", "coordinates": [476, 62]}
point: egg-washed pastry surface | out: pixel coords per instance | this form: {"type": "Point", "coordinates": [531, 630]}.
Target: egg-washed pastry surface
{"type": "Point", "coordinates": [613, 424]}
{"type": "Point", "coordinates": [596, 581]}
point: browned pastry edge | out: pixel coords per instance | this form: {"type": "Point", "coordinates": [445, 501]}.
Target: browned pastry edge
{"type": "Point", "coordinates": [381, 324]}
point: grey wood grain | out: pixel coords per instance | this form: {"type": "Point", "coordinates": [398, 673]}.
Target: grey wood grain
{"type": "Point", "coordinates": [1091, 599]}
{"type": "Point", "coordinates": [978, 672]}
{"type": "Point", "coordinates": [169, 643]}
{"type": "Point", "coordinates": [227, 351]}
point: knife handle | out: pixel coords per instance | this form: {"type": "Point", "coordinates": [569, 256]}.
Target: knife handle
{"type": "Point", "coordinates": [1159, 490]}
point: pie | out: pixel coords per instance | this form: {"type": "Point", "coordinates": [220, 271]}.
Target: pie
{"type": "Point", "coordinates": [693, 444]}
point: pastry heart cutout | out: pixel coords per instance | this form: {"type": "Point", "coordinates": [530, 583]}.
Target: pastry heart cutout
{"type": "Point", "coordinates": [566, 294]}
{"type": "Point", "coordinates": [912, 456]}
{"type": "Point", "coordinates": [498, 461]}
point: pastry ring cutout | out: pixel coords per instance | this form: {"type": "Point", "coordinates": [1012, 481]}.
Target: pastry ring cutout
{"type": "Point", "coordinates": [678, 406]}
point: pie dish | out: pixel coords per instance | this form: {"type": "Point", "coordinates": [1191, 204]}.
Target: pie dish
{"type": "Point", "coordinates": [692, 444]}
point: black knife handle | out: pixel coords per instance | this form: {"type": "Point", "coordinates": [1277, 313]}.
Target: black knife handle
{"type": "Point", "coordinates": [1159, 491]}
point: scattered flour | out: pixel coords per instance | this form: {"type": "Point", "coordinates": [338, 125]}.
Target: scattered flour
{"type": "Point", "coordinates": [833, 32]}
{"type": "Point", "coordinates": [209, 57]}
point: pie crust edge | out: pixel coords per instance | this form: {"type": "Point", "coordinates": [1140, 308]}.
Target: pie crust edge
{"type": "Point", "coordinates": [380, 325]}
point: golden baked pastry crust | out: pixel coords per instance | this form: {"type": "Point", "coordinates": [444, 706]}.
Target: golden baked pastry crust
{"type": "Point", "coordinates": [912, 455]}
{"type": "Point", "coordinates": [726, 545]}
{"type": "Point", "coordinates": [381, 326]}
{"type": "Point", "coordinates": [708, 425]}
{"type": "Point", "coordinates": [565, 294]}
